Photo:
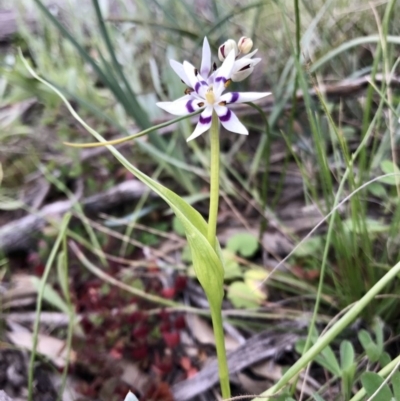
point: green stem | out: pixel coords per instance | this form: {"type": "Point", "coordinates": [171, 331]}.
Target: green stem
{"type": "Point", "coordinates": [214, 180]}
{"type": "Point", "coordinates": [223, 370]}
{"type": "Point", "coordinates": [216, 313]}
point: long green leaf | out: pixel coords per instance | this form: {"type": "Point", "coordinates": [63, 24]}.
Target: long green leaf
{"type": "Point", "coordinates": [135, 108]}
{"type": "Point", "coordinates": [348, 45]}
{"type": "Point", "coordinates": [108, 79]}
{"type": "Point", "coordinates": [234, 13]}
{"type": "Point", "coordinates": [177, 29]}
{"type": "Point", "coordinates": [77, 46]}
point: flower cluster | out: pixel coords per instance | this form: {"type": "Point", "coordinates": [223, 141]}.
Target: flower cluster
{"type": "Point", "coordinates": [205, 87]}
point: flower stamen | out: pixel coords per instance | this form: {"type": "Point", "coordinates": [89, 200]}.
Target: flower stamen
{"type": "Point", "coordinates": [227, 83]}
{"type": "Point", "coordinates": [210, 97]}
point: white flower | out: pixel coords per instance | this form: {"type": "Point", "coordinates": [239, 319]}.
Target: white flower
{"type": "Point", "coordinates": [205, 92]}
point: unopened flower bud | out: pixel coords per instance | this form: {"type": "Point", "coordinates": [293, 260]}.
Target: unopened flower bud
{"type": "Point", "coordinates": [245, 45]}
{"type": "Point", "coordinates": [226, 48]}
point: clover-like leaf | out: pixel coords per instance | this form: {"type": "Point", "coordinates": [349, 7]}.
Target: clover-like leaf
{"type": "Point", "coordinates": [389, 167]}
{"type": "Point", "coordinates": [231, 266]}
{"type": "Point", "coordinates": [371, 382]}
{"type": "Point", "coordinates": [243, 243]}
{"type": "Point", "coordinates": [243, 296]}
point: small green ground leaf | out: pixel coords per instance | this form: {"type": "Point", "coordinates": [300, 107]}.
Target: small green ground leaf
{"type": "Point", "coordinates": [242, 296]}
{"type": "Point", "coordinates": [178, 226]}
{"type": "Point", "coordinates": [371, 382]}
{"type": "Point", "coordinates": [370, 348]}
{"type": "Point", "coordinates": [346, 355]}
{"type": "Point", "coordinates": [331, 361]}
{"type": "Point", "coordinates": [231, 266]}
{"type": "Point", "coordinates": [388, 167]}
{"type": "Point", "coordinates": [384, 359]}
{"type": "Point", "coordinates": [348, 367]}
{"type": "Point", "coordinates": [186, 255]}
{"type": "Point", "coordinates": [396, 385]}
{"type": "Point", "coordinates": [8, 204]}
{"type": "Point", "coordinates": [326, 359]}
{"type": "Point", "coordinates": [317, 397]}
{"type": "Point", "coordinates": [378, 327]}
{"type": "Point", "coordinates": [62, 274]}
{"type": "Point", "coordinates": [51, 296]}
{"type": "Point", "coordinates": [253, 279]}
{"type": "Point", "coordinates": [377, 189]}
{"type": "Point", "coordinates": [243, 243]}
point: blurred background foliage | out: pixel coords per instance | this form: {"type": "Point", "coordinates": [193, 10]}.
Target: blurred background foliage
{"type": "Point", "coordinates": [324, 134]}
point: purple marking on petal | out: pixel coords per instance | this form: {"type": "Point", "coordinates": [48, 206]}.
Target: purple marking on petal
{"type": "Point", "coordinates": [189, 106]}
{"type": "Point", "coordinates": [219, 79]}
{"type": "Point", "coordinates": [198, 84]}
{"type": "Point", "coordinates": [205, 120]}
{"type": "Point", "coordinates": [234, 97]}
{"type": "Point", "coordinates": [197, 87]}
{"type": "Point", "coordinates": [245, 67]}
{"type": "Point", "coordinates": [226, 117]}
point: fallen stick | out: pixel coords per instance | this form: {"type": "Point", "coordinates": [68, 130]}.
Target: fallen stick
{"type": "Point", "coordinates": [18, 235]}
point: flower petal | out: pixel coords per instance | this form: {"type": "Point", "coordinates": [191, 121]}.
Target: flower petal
{"type": "Point", "coordinates": [244, 63]}
{"type": "Point", "coordinates": [180, 107]}
{"type": "Point", "coordinates": [190, 72]}
{"type": "Point", "coordinates": [241, 97]}
{"type": "Point", "coordinates": [205, 59]}
{"type": "Point", "coordinates": [241, 75]}
{"type": "Point", "coordinates": [229, 120]}
{"type": "Point", "coordinates": [250, 55]}
{"type": "Point", "coordinates": [223, 74]}
{"type": "Point", "coordinates": [204, 123]}
{"type": "Point", "coordinates": [179, 70]}
{"type": "Point", "coordinates": [196, 80]}
{"type": "Point", "coordinates": [243, 67]}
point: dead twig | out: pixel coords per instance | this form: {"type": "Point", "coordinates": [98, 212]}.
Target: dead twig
{"type": "Point", "coordinates": [18, 234]}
